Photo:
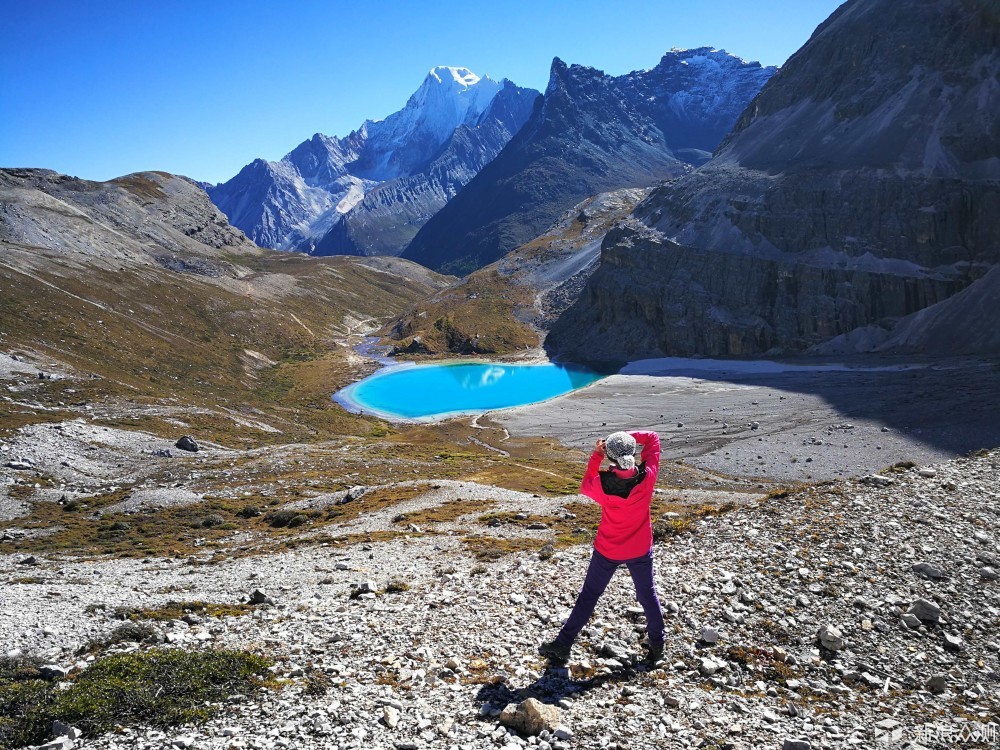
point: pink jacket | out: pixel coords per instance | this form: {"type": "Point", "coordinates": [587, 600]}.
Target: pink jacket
{"type": "Point", "coordinates": [626, 529]}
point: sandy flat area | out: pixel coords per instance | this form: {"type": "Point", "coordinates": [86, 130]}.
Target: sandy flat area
{"type": "Point", "coordinates": [813, 420]}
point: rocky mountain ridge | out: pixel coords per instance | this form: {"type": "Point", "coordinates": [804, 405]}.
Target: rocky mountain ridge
{"type": "Point", "coordinates": [841, 200]}
{"type": "Point", "coordinates": [418, 157]}
{"type": "Point", "coordinates": [592, 133]}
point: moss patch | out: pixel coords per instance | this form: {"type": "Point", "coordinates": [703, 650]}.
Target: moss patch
{"type": "Point", "coordinates": [177, 610]}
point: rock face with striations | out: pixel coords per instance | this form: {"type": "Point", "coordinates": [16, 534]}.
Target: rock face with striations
{"type": "Point", "coordinates": [860, 186]}
{"type": "Point", "coordinates": [591, 133]}
{"type": "Point", "coordinates": [369, 192]}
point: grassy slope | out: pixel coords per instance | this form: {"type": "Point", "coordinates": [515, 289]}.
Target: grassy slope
{"type": "Point", "coordinates": [151, 335]}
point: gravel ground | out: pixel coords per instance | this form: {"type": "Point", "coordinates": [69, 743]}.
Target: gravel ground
{"type": "Point", "coordinates": [898, 572]}
{"type": "Point", "coordinates": [841, 611]}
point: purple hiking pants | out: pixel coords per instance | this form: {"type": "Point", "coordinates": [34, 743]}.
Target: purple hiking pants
{"type": "Point", "coordinates": [598, 576]}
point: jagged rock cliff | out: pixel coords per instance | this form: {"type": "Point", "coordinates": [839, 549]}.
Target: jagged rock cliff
{"type": "Point", "coordinates": [591, 133]}
{"type": "Point", "coordinates": [861, 185]}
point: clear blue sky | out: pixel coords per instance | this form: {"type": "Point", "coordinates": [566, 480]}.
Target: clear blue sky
{"type": "Point", "coordinates": [101, 88]}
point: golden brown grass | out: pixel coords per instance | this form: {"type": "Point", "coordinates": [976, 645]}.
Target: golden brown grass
{"type": "Point", "coordinates": [477, 316]}
{"type": "Point", "coordinates": [151, 336]}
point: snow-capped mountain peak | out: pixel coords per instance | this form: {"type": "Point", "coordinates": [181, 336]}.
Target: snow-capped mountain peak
{"type": "Point", "coordinates": [702, 56]}
{"type": "Point", "coordinates": [462, 76]}
{"type": "Point", "coordinates": [447, 98]}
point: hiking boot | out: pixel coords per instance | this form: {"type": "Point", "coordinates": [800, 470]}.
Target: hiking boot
{"type": "Point", "coordinates": [653, 654]}
{"type": "Point", "coordinates": [555, 651]}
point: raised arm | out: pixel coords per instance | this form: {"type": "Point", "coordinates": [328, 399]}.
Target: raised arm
{"type": "Point", "coordinates": [591, 477]}
{"type": "Point", "coordinates": [650, 442]}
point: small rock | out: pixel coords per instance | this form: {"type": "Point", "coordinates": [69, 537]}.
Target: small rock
{"type": "Point", "coordinates": [59, 729]}
{"type": "Point", "coordinates": [953, 642]}
{"type": "Point", "coordinates": [709, 636]}
{"type": "Point", "coordinates": [911, 621]}
{"type": "Point", "coordinates": [928, 570]}
{"type": "Point", "coordinates": [709, 666]}
{"type": "Point", "coordinates": [871, 680]}
{"type": "Point", "coordinates": [876, 480]}
{"type": "Point", "coordinates": [353, 493]}
{"type": "Point", "coordinates": [20, 464]}
{"type": "Point", "coordinates": [390, 716]}
{"type": "Point", "coordinates": [927, 473]}
{"type": "Point", "coordinates": [182, 741]}
{"type": "Point", "coordinates": [60, 743]}
{"type": "Point", "coordinates": [259, 597]}
{"type": "Point", "coordinates": [925, 610]}
{"type": "Point", "coordinates": [989, 573]}
{"type": "Point", "coordinates": [830, 638]}
{"type": "Point", "coordinates": [187, 443]}
{"type": "Point", "coordinates": [53, 672]}
{"type": "Point", "coordinates": [530, 717]}
{"type": "Point", "coordinates": [790, 744]}
{"type": "Point", "coordinates": [938, 683]}
{"type": "Point", "coordinates": [563, 732]}
{"type": "Point", "coordinates": [29, 560]}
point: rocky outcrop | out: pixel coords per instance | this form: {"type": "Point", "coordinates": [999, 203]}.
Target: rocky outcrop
{"type": "Point", "coordinates": [963, 324]}
{"type": "Point", "coordinates": [592, 133]}
{"type": "Point", "coordinates": [132, 220]}
{"type": "Point", "coordinates": [687, 302]}
{"type": "Point", "coordinates": [860, 186]}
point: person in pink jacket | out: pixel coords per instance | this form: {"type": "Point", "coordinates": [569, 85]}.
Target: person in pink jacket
{"type": "Point", "coordinates": [624, 536]}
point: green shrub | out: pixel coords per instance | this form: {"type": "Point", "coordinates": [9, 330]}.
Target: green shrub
{"type": "Point", "coordinates": [212, 519]}
{"type": "Point", "coordinates": [137, 632]}
{"type": "Point", "coordinates": [159, 688]}
{"type": "Point", "coordinates": [286, 518]}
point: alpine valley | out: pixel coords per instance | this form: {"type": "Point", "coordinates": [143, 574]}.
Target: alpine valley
{"type": "Point", "coordinates": [792, 276]}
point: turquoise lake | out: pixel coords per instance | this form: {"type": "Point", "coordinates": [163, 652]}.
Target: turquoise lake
{"type": "Point", "coordinates": [447, 389]}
